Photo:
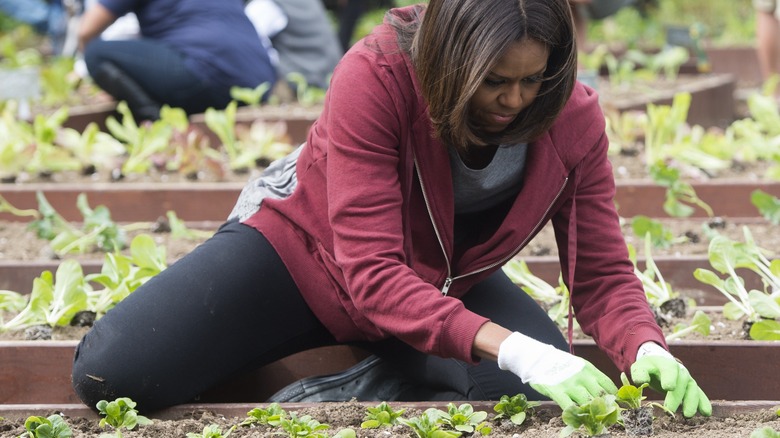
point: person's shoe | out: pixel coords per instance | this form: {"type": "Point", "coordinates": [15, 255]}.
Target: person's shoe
{"type": "Point", "coordinates": [372, 379]}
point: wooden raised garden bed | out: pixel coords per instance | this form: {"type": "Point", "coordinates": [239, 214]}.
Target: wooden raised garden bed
{"type": "Point", "coordinates": [133, 202]}
{"type": "Point", "coordinates": [39, 371]}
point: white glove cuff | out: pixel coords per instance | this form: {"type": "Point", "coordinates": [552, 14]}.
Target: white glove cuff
{"type": "Point", "coordinates": [650, 348]}
{"type": "Point", "coordinates": [536, 362]}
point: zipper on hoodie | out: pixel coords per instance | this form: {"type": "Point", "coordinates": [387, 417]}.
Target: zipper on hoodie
{"type": "Point", "coordinates": [450, 278]}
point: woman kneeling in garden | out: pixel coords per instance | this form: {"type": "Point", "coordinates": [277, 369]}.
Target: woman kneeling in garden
{"type": "Point", "coordinates": [450, 136]}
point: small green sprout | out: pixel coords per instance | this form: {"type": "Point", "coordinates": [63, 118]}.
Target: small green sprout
{"type": "Point", "coordinates": [53, 426]}
{"type": "Point", "coordinates": [700, 323]}
{"type": "Point", "coordinates": [765, 432]}
{"type": "Point", "coordinates": [272, 415]}
{"type": "Point", "coordinates": [211, 431]}
{"type": "Point", "coordinates": [346, 433]}
{"type": "Point", "coordinates": [593, 418]}
{"type": "Point", "coordinates": [120, 414]}
{"type": "Point", "coordinates": [426, 426]}
{"type": "Point", "coordinates": [515, 408]}
{"type": "Point", "coordinates": [381, 416]}
{"type": "Point", "coordinates": [303, 427]}
{"type": "Point", "coordinates": [462, 418]}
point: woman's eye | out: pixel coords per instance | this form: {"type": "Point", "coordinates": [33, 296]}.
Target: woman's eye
{"type": "Point", "coordinates": [493, 82]}
{"type": "Point", "coordinates": [534, 79]}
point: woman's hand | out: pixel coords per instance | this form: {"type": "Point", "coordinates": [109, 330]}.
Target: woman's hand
{"type": "Point", "coordinates": [563, 377]}
{"type": "Point", "coordinates": [658, 368]}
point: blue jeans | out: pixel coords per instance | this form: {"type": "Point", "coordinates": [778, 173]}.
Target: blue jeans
{"type": "Point", "coordinates": [160, 71]}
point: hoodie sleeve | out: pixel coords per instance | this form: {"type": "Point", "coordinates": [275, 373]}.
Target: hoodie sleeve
{"type": "Point", "coordinates": [607, 297]}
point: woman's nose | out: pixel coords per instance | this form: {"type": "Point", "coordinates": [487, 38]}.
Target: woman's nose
{"type": "Point", "coordinates": [512, 98]}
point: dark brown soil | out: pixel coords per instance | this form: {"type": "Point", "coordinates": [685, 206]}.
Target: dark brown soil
{"type": "Point", "coordinates": [542, 424]}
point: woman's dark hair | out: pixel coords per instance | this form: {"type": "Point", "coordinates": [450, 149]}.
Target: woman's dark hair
{"type": "Point", "coordinates": [456, 43]}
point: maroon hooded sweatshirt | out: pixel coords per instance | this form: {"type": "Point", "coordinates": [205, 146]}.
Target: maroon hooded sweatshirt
{"type": "Point", "coordinates": [368, 233]}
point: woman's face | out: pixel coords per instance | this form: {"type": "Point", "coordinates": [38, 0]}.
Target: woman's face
{"type": "Point", "coordinates": [510, 86]}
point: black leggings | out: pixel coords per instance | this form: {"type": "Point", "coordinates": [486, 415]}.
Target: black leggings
{"type": "Point", "coordinates": [230, 306]}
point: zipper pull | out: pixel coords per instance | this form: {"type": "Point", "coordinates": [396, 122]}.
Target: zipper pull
{"type": "Point", "coordinates": [446, 287]}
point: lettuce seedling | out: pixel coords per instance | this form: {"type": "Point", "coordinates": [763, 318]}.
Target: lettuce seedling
{"type": "Point", "coordinates": [53, 426]}
{"type": "Point", "coordinates": [426, 426]}
{"type": "Point", "coordinates": [93, 148]}
{"type": "Point", "coordinates": [659, 235]}
{"type": "Point", "coordinates": [250, 96]}
{"type": "Point", "coordinates": [120, 414]}
{"type": "Point", "coordinates": [346, 433]}
{"type": "Point", "coordinates": [700, 323]}
{"type": "Point", "coordinates": [462, 418]}
{"type": "Point", "coordinates": [211, 431]}
{"type": "Point", "coordinates": [679, 193]}
{"type": "Point", "coordinates": [726, 256]}
{"type": "Point", "coordinates": [515, 408]}
{"type": "Point", "coordinates": [381, 416]}
{"type": "Point", "coordinates": [767, 205]}
{"type": "Point", "coordinates": [303, 427]}
{"type": "Point", "coordinates": [121, 275]}
{"type": "Point", "coordinates": [6, 207]}
{"type": "Point", "coordinates": [272, 415]}
{"type": "Point", "coordinates": [51, 302]}
{"type": "Point", "coordinates": [635, 416]}
{"type": "Point", "coordinates": [765, 330]}
{"type": "Point", "coordinates": [593, 418]}
{"type": "Point", "coordinates": [556, 298]}
{"type": "Point", "coordinates": [765, 432]}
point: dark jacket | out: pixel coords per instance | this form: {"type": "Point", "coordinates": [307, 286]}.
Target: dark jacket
{"type": "Point", "coordinates": [368, 232]}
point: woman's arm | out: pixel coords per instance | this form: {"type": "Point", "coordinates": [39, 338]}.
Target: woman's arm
{"type": "Point", "coordinates": [94, 21]}
{"type": "Point", "coordinates": [488, 340]}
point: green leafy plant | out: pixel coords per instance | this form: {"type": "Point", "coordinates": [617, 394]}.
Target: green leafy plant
{"type": "Point", "coordinates": [767, 205]}
{"type": "Point", "coordinates": [303, 427]}
{"type": "Point", "coordinates": [98, 231]}
{"type": "Point", "coordinates": [593, 418]}
{"type": "Point", "coordinates": [462, 418]}
{"type": "Point", "coordinates": [515, 408]}
{"type": "Point", "coordinates": [179, 229]}
{"type": "Point", "coordinates": [211, 431]}
{"type": "Point", "coordinates": [271, 415]}
{"type": "Point", "coordinates": [144, 141]}
{"type": "Point", "coordinates": [53, 426]}
{"type": "Point", "coordinates": [659, 235]}
{"type": "Point", "coordinates": [381, 415]}
{"type": "Point", "coordinates": [121, 275]}
{"type": "Point", "coordinates": [680, 195]}
{"type": "Point", "coordinates": [305, 94]}
{"type": "Point", "coordinates": [426, 426]}
{"type": "Point", "coordinates": [120, 414]}
{"type": "Point", "coordinates": [6, 207]}
{"type": "Point", "coordinates": [636, 416]}
{"type": "Point", "coordinates": [700, 323]}
{"type": "Point", "coordinates": [555, 298]}
{"type": "Point", "coordinates": [53, 303]}
{"type": "Point", "coordinates": [94, 149]}
{"type": "Point", "coordinates": [346, 433]}
{"type": "Point", "coordinates": [726, 256]}
{"type": "Point", "coordinates": [765, 432]}
{"type": "Point", "coordinates": [250, 96]}
{"type": "Point", "coordinates": [658, 291]}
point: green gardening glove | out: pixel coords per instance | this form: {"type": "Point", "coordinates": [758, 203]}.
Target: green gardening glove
{"type": "Point", "coordinates": [564, 378]}
{"type": "Point", "coordinates": [657, 367]}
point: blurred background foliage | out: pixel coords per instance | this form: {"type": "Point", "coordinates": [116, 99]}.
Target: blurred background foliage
{"type": "Point", "coordinates": [729, 22]}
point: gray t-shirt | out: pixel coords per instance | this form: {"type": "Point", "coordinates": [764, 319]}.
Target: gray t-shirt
{"type": "Point", "coordinates": [479, 189]}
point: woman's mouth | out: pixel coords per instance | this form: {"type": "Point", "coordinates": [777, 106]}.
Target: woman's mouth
{"type": "Point", "coordinates": [501, 120]}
